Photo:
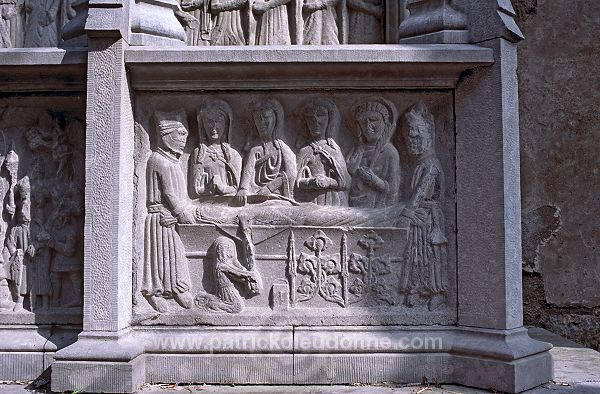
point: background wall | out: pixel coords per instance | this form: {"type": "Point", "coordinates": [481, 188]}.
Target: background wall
{"type": "Point", "coordinates": [559, 76]}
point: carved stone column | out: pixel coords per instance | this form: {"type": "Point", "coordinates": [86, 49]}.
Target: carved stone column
{"type": "Point", "coordinates": [104, 358]}
{"type": "Point", "coordinates": [433, 22]}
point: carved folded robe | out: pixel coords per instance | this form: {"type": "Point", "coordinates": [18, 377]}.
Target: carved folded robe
{"type": "Point", "coordinates": [201, 35]}
{"type": "Point", "coordinates": [272, 166]}
{"type": "Point", "coordinates": [5, 41]}
{"type": "Point", "coordinates": [165, 265]}
{"type": "Point", "coordinates": [320, 27]}
{"type": "Point", "coordinates": [323, 158]}
{"type": "Point", "coordinates": [21, 268]}
{"type": "Point", "coordinates": [273, 27]}
{"type": "Point", "coordinates": [365, 28]}
{"type": "Point", "coordinates": [426, 259]}
{"type": "Point", "coordinates": [386, 166]}
{"type": "Point", "coordinates": [228, 29]}
{"type": "Point", "coordinates": [41, 28]}
{"type": "Point", "coordinates": [210, 165]}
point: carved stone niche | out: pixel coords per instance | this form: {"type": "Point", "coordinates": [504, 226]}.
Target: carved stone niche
{"type": "Point", "coordinates": [295, 209]}
{"type": "Point", "coordinates": [42, 155]}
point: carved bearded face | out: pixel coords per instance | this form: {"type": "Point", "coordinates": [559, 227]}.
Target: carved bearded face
{"type": "Point", "coordinates": [419, 136]}
{"type": "Point", "coordinates": [265, 120]}
{"type": "Point", "coordinates": [317, 120]}
{"type": "Point", "coordinates": [214, 124]}
{"type": "Point", "coordinates": [372, 126]}
{"type": "Point", "coordinates": [175, 141]}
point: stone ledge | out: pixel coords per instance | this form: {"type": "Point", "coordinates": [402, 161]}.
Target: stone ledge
{"type": "Point", "coordinates": [42, 56]}
{"type": "Point", "coordinates": [435, 53]}
{"type": "Point", "coordinates": [303, 67]}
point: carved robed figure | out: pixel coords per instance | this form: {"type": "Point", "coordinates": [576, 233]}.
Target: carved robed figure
{"type": "Point", "coordinates": [215, 166]}
{"type": "Point", "coordinates": [322, 174]}
{"type": "Point", "coordinates": [374, 163]}
{"type": "Point", "coordinates": [8, 12]}
{"type": "Point", "coordinates": [269, 169]}
{"type": "Point", "coordinates": [272, 24]}
{"type": "Point", "coordinates": [320, 22]}
{"type": "Point", "coordinates": [426, 272]}
{"type": "Point", "coordinates": [199, 9]}
{"type": "Point", "coordinates": [166, 273]}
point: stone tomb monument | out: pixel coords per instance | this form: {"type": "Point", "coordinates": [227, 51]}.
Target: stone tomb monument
{"type": "Point", "coordinates": [262, 192]}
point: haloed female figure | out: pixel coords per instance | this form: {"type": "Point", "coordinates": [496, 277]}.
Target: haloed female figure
{"type": "Point", "coordinates": [322, 175]}
{"type": "Point", "coordinates": [374, 163]}
{"type": "Point", "coordinates": [215, 165]}
{"type": "Point", "coordinates": [270, 165]}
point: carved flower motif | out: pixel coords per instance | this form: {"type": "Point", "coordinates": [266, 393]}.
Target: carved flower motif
{"type": "Point", "coordinates": [382, 292]}
{"type": "Point", "coordinates": [331, 287]}
{"type": "Point", "coordinates": [306, 288]}
{"type": "Point", "coordinates": [380, 265]}
{"type": "Point", "coordinates": [358, 287]}
{"type": "Point", "coordinates": [370, 241]}
{"type": "Point", "coordinates": [331, 265]}
{"type": "Point", "coordinates": [356, 264]}
{"type": "Point", "coordinates": [307, 264]}
{"type": "Point", "coordinates": [318, 242]}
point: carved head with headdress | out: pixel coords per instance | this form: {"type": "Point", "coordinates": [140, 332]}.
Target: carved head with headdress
{"type": "Point", "coordinates": [268, 118]}
{"type": "Point", "coordinates": [11, 162]}
{"type": "Point", "coordinates": [376, 118]}
{"type": "Point", "coordinates": [322, 118]}
{"type": "Point", "coordinates": [172, 131]}
{"type": "Point", "coordinates": [215, 119]}
{"type": "Point", "coordinates": [421, 129]}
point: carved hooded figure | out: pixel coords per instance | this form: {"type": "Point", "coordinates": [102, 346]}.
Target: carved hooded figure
{"type": "Point", "coordinates": [270, 166]}
{"type": "Point", "coordinates": [322, 174]}
{"type": "Point", "coordinates": [374, 163]}
{"type": "Point", "coordinates": [166, 273]}
{"type": "Point", "coordinates": [215, 166]}
{"type": "Point", "coordinates": [426, 271]}
{"type": "Point", "coordinates": [226, 271]}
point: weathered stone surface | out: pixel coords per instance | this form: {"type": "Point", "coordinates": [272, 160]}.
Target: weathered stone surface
{"type": "Point", "coordinates": [245, 203]}
{"type": "Point", "coordinates": [560, 162]}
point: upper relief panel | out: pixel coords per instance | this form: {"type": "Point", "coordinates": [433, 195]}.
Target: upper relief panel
{"type": "Point", "coordinates": [307, 209]}
{"type": "Point", "coordinates": [286, 22]}
{"type": "Point", "coordinates": [33, 23]}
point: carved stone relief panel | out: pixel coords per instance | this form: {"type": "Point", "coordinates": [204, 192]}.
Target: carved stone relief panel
{"type": "Point", "coordinates": [33, 23]}
{"type": "Point", "coordinates": [42, 150]}
{"type": "Point", "coordinates": [293, 208]}
{"type": "Point", "coordinates": [285, 22]}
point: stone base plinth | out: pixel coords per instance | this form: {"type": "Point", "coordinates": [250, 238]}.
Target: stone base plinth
{"type": "Point", "coordinates": [502, 360]}
{"type": "Point", "coordinates": [27, 351]}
